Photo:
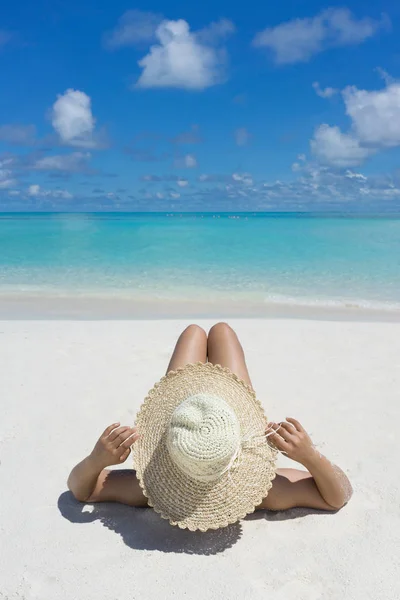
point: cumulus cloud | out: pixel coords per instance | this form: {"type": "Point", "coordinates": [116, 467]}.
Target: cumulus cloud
{"type": "Point", "coordinates": [20, 135]}
{"type": "Point", "coordinates": [178, 57]}
{"type": "Point", "coordinates": [375, 124]}
{"type": "Point", "coordinates": [242, 136]}
{"type": "Point", "coordinates": [184, 59]}
{"type": "Point", "coordinates": [299, 39]}
{"type": "Point", "coordinates": [73, 120]}
{"type": "Point", "coordinates": [76, 162]}
{"type": "Point", "coordinates": [37, 191]}
{"type": "Point", "coordinates": [375, 115]}
{"type": "Point", "coordinates": [327, 92]}
{"type": "Point", "coordinates": [133, 28]}
{"type": "Point", "coordinates": [333, 147]}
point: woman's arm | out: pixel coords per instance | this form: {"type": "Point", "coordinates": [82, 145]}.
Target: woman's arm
{"type": "Point", "coordinates": [333, 485]}
{"type": "Point", "coordinates": [325, 485]}
{"type": "Point", "coordinates": [112, 448]}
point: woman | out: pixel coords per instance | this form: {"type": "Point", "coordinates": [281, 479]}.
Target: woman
{"type": "Point", "coordinates": [321, 486]}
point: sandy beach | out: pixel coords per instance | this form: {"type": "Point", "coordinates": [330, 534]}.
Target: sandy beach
{"type": "Point", "coordinates": [63, 382]}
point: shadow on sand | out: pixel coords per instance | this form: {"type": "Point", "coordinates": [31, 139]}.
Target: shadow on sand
{"type": "Point", "coordinates": [143, 529]}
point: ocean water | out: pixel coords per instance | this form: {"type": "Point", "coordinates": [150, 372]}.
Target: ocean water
{"type": "Point", "coordinates": [263, 258]}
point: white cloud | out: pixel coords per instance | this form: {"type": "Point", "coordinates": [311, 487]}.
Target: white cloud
{"type": "Point", "coordinates": [72, 163]}
{"type": "Point", "coordinates": [6, 183]}
{"type": "Point", "coordinates": [321, 184]}
{"type": "Point", "coordinates": [375, 124]}
{"type": "Point", "coordinates": [351, 175]}
{"type": "Point", "coordinates": [298, 40]}
{"type": "Point", "coordinates": [190, 161]}
{"type": "Point", "coordinates": [327, 92]}
{"type": "Point", "coordinates": [181, 59]}
{"type": "Point", "coordinates": [316, 186]}
{"type": "Point", "coordinates": [6, 176]}
{"type": "Point", "coordinates": [34, 190]}
{"type": "Point", "coordinates": [333, 147]}
{"type": "Point", "coordinates": [182, 182]}
{"type": "Point", "coordinates": [375, 115]}
{"type": "Point", "coordinates": [387, 78]}
{"type": "Point", "coordinates": [293, 41]}
{"type": "Point", "coordinates": [242, 136]}
{"type": "Point", "coordinates": [37, 191]}
{"type": "Point", "coordinates": [134, 27]}
{"type": "Point", "coordinates": [73, 120]}
{"type": "Point", "coordinates": [215, 31]}
{"type": "Point", "coordinates": [244, 178]}
{"type": "Point", "coordinates": [59, 194]}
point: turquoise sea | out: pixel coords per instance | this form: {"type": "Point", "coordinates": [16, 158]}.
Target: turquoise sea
{"type": "Point", "coordinates": [264, 258]}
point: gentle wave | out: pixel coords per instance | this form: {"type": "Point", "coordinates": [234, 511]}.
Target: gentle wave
{"type": "Point", "coordinates": [206, 297]}
{"type": "Point", "coordinates": [275, 260]}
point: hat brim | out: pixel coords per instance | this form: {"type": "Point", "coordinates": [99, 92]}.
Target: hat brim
{"type": "Point", "coordinates": [187, 502]}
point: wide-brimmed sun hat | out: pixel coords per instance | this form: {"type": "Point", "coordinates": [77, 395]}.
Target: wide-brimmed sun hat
{"type": "Point", "coordinates": [202, 458]}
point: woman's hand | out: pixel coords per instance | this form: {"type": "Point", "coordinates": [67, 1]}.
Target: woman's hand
{"type": "Point", "coordinates": [113, 446]}
{"type": "Point", "coordinates": [292, 439]}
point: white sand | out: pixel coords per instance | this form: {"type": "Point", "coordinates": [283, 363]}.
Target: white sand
{"type": "Point", "coordinates": [61, 383]}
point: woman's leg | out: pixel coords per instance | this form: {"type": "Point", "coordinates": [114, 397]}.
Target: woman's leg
{"type": "Point", "coordinates": [225, 349]}
{"type": "Point", "coordinates": [191, 347]}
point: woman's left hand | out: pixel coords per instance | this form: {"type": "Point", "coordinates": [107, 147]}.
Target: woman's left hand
{"type": "Point", "coordinates": [291, 439]}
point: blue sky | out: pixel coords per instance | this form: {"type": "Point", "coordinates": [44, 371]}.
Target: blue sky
{"type": "Point", "coordinates": [291, 106]}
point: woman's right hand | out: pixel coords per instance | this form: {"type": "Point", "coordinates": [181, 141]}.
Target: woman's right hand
{"type": "Point", "coordinates": [292, 439]}
{"type": "Point", "coordinates": [113, 446]}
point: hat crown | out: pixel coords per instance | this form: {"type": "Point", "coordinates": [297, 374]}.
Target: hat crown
{"type": "Point", "coordinates": [203, 438]}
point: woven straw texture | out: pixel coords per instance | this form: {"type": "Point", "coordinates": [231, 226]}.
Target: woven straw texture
{"type": "Point", "coordinates": [187, 502]}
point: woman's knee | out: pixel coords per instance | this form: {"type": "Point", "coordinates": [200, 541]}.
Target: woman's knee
{"type": "Point", "coordinates": [194, 330]}
{"type": "Point", "coordinates": [221, 329]}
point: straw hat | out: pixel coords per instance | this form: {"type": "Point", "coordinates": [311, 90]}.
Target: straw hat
{"type": "Point", "coordinates": [202, 458]}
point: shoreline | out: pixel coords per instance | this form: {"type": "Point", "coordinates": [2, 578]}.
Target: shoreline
{"type": "Point", "coordinates": [99, 308]}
